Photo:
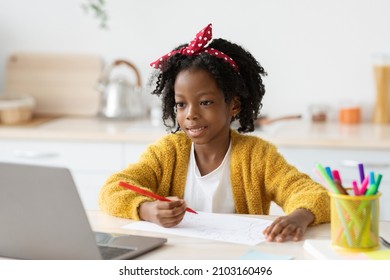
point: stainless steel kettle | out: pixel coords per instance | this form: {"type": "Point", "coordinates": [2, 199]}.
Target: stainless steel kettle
{"type": "Point", "coordinates": [120, 99]}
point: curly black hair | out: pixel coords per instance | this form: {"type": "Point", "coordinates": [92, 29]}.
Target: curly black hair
{"type": "Point", "coordinates": [247, 84]}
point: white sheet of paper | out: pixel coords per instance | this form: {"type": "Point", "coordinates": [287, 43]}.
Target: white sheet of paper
{"type": "Point", "coordinates": [221, 227]}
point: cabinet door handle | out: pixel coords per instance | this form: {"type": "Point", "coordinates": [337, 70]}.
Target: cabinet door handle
{"type": "Point", "coordinates": [369, 165]}
{"type": "Point", "coordinates": [35, 154]}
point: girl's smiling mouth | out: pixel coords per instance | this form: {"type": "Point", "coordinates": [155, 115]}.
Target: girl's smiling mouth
{"type": "Point", "coordinates": [196, 131]}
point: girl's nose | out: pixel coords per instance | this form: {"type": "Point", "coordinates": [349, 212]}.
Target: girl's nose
{"type": "Point", "coordinates": [192, 113]}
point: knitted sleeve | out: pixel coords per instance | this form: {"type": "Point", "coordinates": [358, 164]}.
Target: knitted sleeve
{"type": "Point", "coordinates": [292, 189]}
{"type": "Point", "coordinates": [146, 173]}
{"type": "Point", "coordinates": [260, 174]}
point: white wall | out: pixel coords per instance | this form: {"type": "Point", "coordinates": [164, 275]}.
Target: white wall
{"type": "Point", "coordinates": [314, 51]}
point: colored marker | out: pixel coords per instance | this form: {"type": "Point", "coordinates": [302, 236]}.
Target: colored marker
{"type": "Point", "coordinates": [355, 188]}
{"type": "Point", "coordinates": [373, 189]}
{"type": "Point", "coordinates": [338, 183]}
{"type": "Point", "coordinates": [361, 172]}
{"type": "Point", "coordinates": [326, 178]}
{"type": "Point", "coordinates": [336, 176]}
{"type": "Point", "coordinates": [378, 182]}
{"type": "Point", "coordinates": [329, 172]}
{"type": "Point", "coordinates": [363, 187]}
{"type": "Point", "coordinates": [149, 194]}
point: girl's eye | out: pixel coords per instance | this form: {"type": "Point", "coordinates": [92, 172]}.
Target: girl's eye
{"type": "Point", "coordinates": [207, 102]}
{"type": "Point", "coordinates": [179, 104]}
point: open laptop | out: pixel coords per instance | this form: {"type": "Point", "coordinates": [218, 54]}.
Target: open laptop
{"type": "Point", "coordinates": [42, 217]}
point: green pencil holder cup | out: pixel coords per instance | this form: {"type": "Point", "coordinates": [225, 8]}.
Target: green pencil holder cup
{"type": "Point", "coordinates": [355, 222]}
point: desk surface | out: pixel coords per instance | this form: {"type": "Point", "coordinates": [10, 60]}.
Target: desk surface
{"type": "Point", "coordinates": [179, 247]}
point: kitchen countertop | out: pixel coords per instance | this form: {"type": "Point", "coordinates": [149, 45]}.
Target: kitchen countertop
{"type": "Point", "coordinates": [291, 133]}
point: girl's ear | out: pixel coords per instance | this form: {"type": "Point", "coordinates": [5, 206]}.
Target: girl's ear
{"type": "Point", "coordinates": [236, 106]}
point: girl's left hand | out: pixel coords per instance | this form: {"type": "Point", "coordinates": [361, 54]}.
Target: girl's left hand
{"type": "Point", "coordinates": [293, 225]}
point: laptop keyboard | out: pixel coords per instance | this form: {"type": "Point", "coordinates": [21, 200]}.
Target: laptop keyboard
{"type": "Point", "coordinates": [109, 253]}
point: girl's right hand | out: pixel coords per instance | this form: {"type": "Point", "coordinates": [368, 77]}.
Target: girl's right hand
{"type": "Point", "coordinates": [163, 213]}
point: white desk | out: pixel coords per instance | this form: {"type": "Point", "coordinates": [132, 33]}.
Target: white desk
{"type": "Point", "coordinates": [179, 247]}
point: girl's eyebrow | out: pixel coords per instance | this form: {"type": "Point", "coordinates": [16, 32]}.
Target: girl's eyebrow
{"type": "Point", "coordinates": [201, 94]}
{"type": "Point", "coordinates": [178, 94]}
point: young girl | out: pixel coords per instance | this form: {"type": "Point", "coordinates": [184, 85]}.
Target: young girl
{"type": "Point", "coordinates": [206, 164]}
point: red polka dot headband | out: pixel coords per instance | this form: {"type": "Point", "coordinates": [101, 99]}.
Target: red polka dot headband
{"type": "Point", "coordinates": [197, 46]}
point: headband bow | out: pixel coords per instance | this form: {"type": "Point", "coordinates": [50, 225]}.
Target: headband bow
{"type": "Point", "coordinates": [197, 46]}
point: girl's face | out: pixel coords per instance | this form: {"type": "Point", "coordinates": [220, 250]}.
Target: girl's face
{"type": "Point", "coordinates": [202, 112]}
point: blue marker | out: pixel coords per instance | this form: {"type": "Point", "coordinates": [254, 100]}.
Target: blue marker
{"type": "Point", "coordinates": [329, 172]}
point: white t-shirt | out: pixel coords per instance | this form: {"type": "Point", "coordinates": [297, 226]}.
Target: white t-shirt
{"type": "Point", "coordinates": [212, 192]}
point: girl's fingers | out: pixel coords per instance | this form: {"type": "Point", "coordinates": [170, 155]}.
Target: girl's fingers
{"type": "Point", "coordinates": [275, 228]}
{"type": "Point", "coordinates": [270, 228]}
{"type": "Point", "coordinates": [285, 233]}
{"type": "Point", "coordinates": [169, 204]}
{"type": "Point", "coordinates": [171, 213]}
{"type": "Point", "coordinates": [170, 221]}
{"type": "Point", "coordinates": [282, 230]}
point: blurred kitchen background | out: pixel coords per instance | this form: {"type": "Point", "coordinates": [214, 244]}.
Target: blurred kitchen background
{"type": "Point", "coordinates": [319, 56]}
{"type": "Point", "coordinates": [315, 52]}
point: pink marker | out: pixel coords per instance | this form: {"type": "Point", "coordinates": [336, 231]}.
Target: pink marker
{"type": "Point", "coordinates": [355, 188]}
{"type": "Point", "coordinates": [336, 176]}
{"type": "Point", "coordinates": [364, 185]}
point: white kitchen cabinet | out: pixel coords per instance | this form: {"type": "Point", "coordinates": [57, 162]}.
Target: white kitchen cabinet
{"type": "Point", "coordinates": [345, 160]}
{"type": "Point", "coordinates": [133, 151]}
{"type": "Point", "coordinates": [89, 162]}
{"type": "Point", "coordinates": [88, 185]}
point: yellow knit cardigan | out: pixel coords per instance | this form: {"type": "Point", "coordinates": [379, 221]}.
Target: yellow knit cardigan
{"type": "Point", "coordinates": [258, 173]}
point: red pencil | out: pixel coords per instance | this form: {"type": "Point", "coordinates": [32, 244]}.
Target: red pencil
{"type": "Point", "coordinates": [149, 194]}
